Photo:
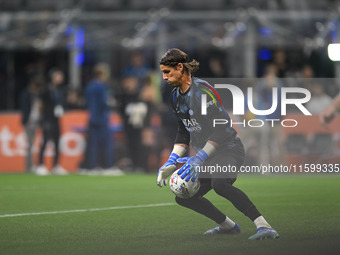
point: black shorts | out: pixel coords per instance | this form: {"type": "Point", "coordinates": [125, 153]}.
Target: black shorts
{"type": "Point", "coordinates": [206, 185]}
{"type": "Point", "coordinates": [224, 164]}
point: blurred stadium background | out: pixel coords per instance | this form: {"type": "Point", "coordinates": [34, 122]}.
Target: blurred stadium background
{"type": "Point", "coordinates": [230, 39]}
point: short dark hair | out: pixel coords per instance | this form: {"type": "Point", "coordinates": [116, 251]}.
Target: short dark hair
{"type": "Point", "coordinates": [175, 56]}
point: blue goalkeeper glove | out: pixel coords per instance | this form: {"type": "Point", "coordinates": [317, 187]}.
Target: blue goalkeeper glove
{"type": "Point", "coordinates": [191, 168]}
{"type": "Point", "coordinates": [167, 169]}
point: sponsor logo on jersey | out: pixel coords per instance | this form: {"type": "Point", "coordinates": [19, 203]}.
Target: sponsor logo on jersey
{"type": "Point", "coordinates": [191, 125]}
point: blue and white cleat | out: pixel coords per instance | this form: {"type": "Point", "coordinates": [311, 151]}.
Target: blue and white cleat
{"type": "Point", "coordinates": [265, 233]}
{"type": "Point", "coordinates": [218, 230]}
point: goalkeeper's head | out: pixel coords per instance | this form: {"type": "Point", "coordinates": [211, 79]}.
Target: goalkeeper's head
{"type": "Point", "coordinates": [174, 57]}
{"type": "Point", "coordinates": [177, 68]}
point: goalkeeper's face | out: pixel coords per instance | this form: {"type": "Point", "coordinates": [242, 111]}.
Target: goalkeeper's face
{"type": "Point", "coordinates": [172, 75]}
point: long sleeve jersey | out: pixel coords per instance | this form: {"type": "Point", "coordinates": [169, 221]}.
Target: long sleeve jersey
{"type": "Point", "coordinates": [196, 128]}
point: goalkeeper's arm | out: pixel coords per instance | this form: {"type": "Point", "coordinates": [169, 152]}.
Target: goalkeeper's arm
{"type": "Point", "coordinates": [181, 145]}
{"type": "Point", "coordinates": [169, 167]}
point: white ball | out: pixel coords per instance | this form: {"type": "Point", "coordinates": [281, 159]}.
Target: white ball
{"type": "Point", "coordinates": [182, 188]}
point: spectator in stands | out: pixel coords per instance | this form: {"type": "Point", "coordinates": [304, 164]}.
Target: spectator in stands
{"type": "Point", "coordinates": [140, 103]}
{"type": "Point", "coordinates": [137, 68]}
{"type": "Point", "coordinates": [269, 139]}
{"type": "Point", "coordinates": [74, 101]}
{"type": "Point", "coordinates": [280, 63]}
{"type": "Point", "coordinates": [329, 112]}
{"type": "Point", "coordinates": [307, 72]}
{"type": "Point", "coordinates": [100, 140]}
{"type": "Point", "coordinates": [134, 113]}
{"type": "Point", "coordinates": [51, 111]}
{"type": "Point", "coordinates": [264, 90]}
{"type": "Point", "coordinates": [216, 68]}
{"type": "Point", "coordinates": [30, 109]}
{"type": "Point", "coordinates": [319, 99]}
{"type": "Point", "coordinates": [150, 141]}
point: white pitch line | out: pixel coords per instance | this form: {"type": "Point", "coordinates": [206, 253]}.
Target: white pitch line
{"type": "Point", "coordinates": [86, 210]}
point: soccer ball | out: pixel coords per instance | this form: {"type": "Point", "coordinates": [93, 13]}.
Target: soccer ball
{"type": "Point", "coordinates": [182, 188]}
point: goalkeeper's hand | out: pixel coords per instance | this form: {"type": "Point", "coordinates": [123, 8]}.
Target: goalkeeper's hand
{"type": "Point", "coordinates": [191, 168]}
{"type": "Point", "coordinates": [167, 169]}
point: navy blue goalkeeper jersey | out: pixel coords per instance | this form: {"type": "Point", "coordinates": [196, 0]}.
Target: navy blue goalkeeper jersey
{"type": "Point", "coordinates": [196, 128]}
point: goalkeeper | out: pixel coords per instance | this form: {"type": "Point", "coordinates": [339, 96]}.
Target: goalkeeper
{"type": "Point", "coordinates": [215, 145]}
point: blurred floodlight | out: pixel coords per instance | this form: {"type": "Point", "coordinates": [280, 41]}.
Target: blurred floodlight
{"type": "Point", "coordinates": [241, 12]}
{"type": "Point", "coordinates": [229, 26]}
{"type": "Point", "coordinates": [152, 12]}
{"type": "Point", "coordinates": [51, 28]}
{"type": "Point", "coordinates": [37, 43]}
{"type": "Point", "coordinates": [334, 51]}
{"type": "Point", "coordinates": [138, 42]}
{"type": "Point", "coordinates": [139, 26]}
{"type": "Point", "coordinates": [319, 26]}
{"type": "Point", "coordinates": [126, 42]}
{"type": "Point", "coordinates": [228, 42]}
{"type": "Point", "coordinates": [217, 42]}
{"type": "Point", "coordinates": [65, 13]}
{"type": "Point", "coordinates": [241, 26]}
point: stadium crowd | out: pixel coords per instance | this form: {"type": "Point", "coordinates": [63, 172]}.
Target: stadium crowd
{"type": "Point", "coordinates": [138, 95]}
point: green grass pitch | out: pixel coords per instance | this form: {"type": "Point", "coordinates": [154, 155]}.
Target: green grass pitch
{"type": "Point", "coordinates": [305, 211]}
